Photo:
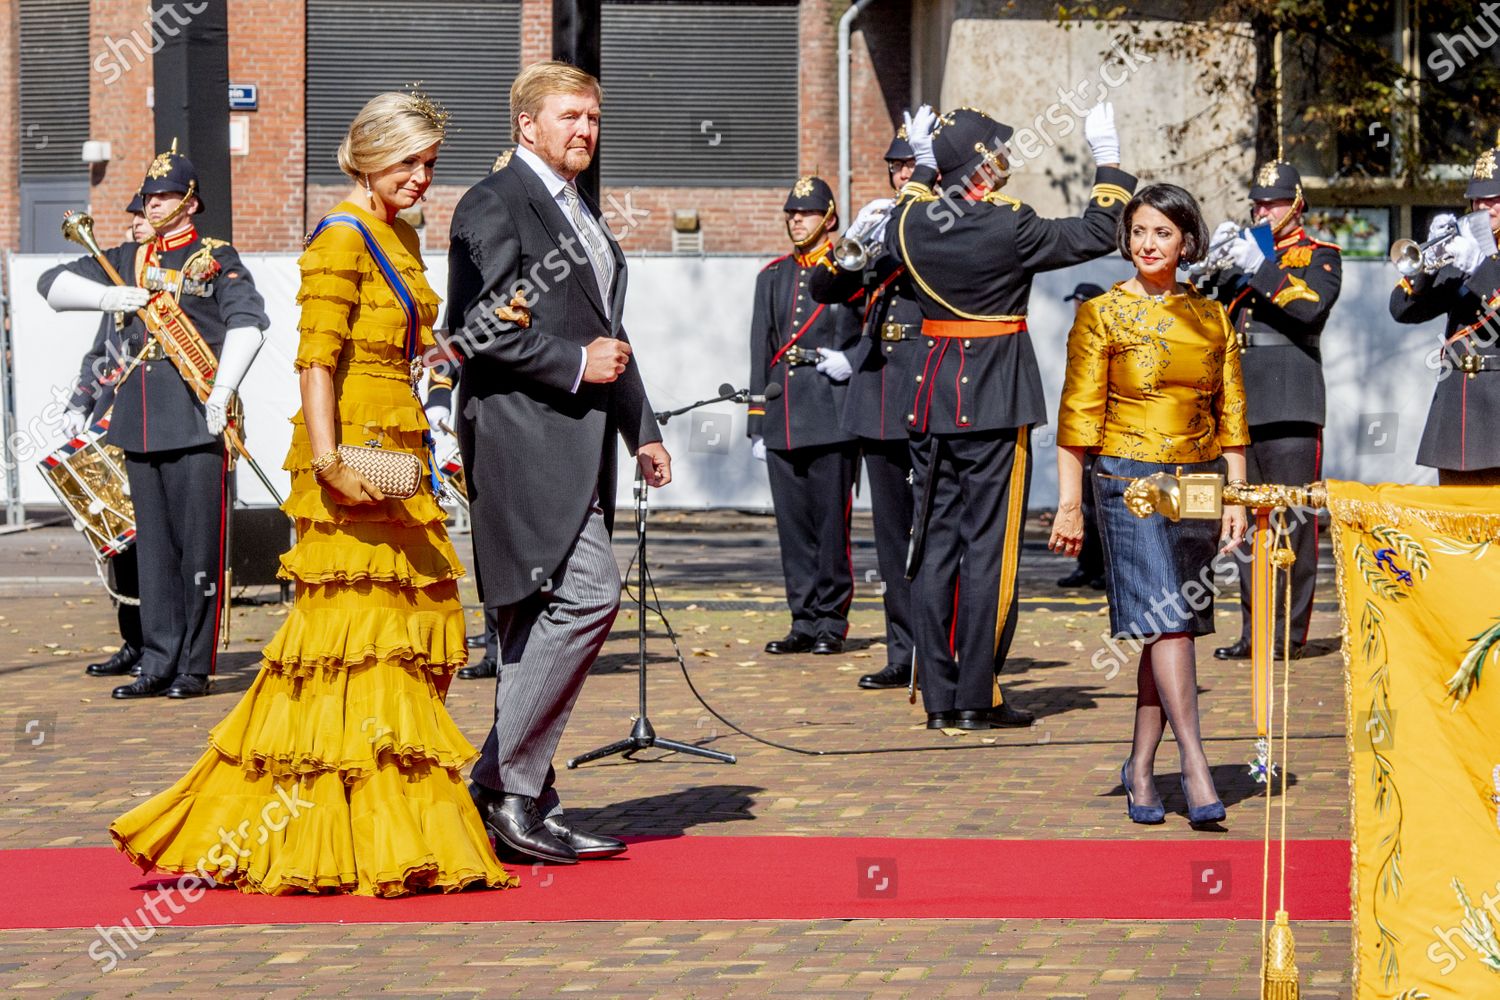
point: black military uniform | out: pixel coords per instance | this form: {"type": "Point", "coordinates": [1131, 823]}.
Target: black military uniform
{"type": "Point", "coordinates": [176, 468]}
{"type": "Point", "coordinates": [1460, 439]}
{"type": "Point", "coordinates": [978, 391]}
{"type": "Point", "coordinates": [1279, 313]}
{"type": "Point", "coordinates": [93, 395]}
{"type": "Point", "coordinates": [1090, 568]}
{"type": "Point", "coordinates": [809, 455]}
{"type": "Point", "coordinates": [876, 406]}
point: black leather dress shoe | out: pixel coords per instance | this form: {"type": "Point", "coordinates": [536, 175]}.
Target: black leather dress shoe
{"type": "Point", "coordinates": [893, 676]}
{"type": "Point", "coordinates": [795, 642]}
{"type": "Point", "coordinates": [479, 671]}
{"type": "Point", "coordinates": [143, 687]}
{"type": "Point", "coordinates": [940, 720]}
{"type": "Point", "coordinates": [588, 846]}
{"type": "Point", "coordinates": [1239, 651]}
{"type": "Point", "coordinates": [476, 641]}
{"type": "Point", "coordinates": [518, 829]}
{"type": "Point", "coordinates": [1077, 578]}
{"type": "Point", "coordinates": [1004, 715]}
{"type": "Point", "coordinates": [188, 686]}
{"type": "Point", "coordinates": [826, 645]}
{"type": "Point", "coordinates": [971, 719]}
{"type": "Point", "coordinates": [124, 659]}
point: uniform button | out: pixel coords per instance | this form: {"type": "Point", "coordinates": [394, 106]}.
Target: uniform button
{"type": "Point", "coordinates": [889, 348]}
{"type": "Point", "coordinates": [919, 378]}
{"type": "Point", "coordinates": [148, 368]}
{"type": "Point", "coordinates": [963, 420]}
{"type": "Point", "coordinates": [790, 372]}
{"type": "Point", "coordinates": [964, 380]}
{"type": "Point", "coordinates": [932, 343]}
{"type": "Point", "coordinates": [911, 418]}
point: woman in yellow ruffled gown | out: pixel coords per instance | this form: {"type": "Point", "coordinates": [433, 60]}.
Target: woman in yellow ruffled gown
{"type": "Point", "coordinates": [339, 769]}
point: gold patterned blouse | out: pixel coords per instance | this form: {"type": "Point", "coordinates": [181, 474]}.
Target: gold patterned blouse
{"type": "Point", "coordinates": [1156, 380]}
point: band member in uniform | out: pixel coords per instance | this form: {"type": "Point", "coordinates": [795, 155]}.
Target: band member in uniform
{"type": "Point", "coordinates": [972, 253]}
{"type": "Point", "coordinates": [879, 398]}
{"type": "Point", "coordinates": [809, 453]}
{"type": "Point", "coordinates": [536, 292]}
{"type": "Point", "coordinates": [93, 395]}
{"type": "Point", "coordinates": [1460, 441]}
{"type": "Point", "coordinates": [1090, 569]}
{"type": "Point", "coordinates": [1278, 306]}
{"type": "Point", "coordinates": [175, 455]}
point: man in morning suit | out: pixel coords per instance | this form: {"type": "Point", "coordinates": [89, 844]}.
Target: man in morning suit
{"type": "Point", "coordinates": [175, 456]}
{"type": "Point", "coordinates": [879, 399]}
{"type": "Point", "coordinates": [809, 455]}
{"type": "Point", "coordinates": [972, 253]}
{"type": "Point", "coordinates": [1278, 307]}
{"type": "Point", "coordinates": [536, 287]}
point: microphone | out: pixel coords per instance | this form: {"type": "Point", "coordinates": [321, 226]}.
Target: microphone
{"type": "Point", "coordinates": [727, 394]}
{"type": "Point", "coordinates": [773, 391]}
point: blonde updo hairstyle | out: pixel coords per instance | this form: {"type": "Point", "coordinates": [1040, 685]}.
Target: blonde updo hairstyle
{"type": "Point", "coordinates": [388, 129]}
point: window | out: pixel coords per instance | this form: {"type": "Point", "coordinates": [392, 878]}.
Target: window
{"type": "Point", "coordinates": [699, 94]}
{"type": "Point", "coordinates": [465, 53]}
{"type": "Point", "coordinates": [54, 104]}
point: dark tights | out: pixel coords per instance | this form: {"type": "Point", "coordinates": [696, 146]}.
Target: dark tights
{"type": "Point", "coordinates": [1167, 691]}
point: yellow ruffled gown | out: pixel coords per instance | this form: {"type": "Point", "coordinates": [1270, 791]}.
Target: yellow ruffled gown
{"type": "Point", "coordinates": [339, 770]}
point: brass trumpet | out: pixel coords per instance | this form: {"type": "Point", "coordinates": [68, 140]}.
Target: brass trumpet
{"type": "Point", "coordinates": [1412, 258]}
{"type": "Point", "coordinates": [855, 250]}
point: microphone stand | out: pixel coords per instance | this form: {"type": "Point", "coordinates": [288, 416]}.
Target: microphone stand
{"type": "Point", "coordinates": [643, 734]}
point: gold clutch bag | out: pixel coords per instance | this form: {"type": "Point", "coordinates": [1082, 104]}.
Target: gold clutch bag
{"type": "Point", "coordinates": [395, 473]}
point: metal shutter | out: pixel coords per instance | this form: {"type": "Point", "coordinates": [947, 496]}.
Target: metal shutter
{"type": "Point", "coordinates": [465, 52]}
{"type": "Point", "coordinates": [54, 88]}
{"type": "Point", "coordinates": [699, 94]}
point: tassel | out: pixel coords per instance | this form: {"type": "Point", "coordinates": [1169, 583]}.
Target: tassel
{"type": "Point", "coordinates": [1279, 982]}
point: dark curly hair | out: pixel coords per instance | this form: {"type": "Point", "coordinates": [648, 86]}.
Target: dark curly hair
{"type": "Point", "coordinates": [1176, 204]}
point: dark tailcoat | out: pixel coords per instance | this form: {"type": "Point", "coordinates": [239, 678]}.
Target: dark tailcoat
{"type": "Point", "coordinates": [535, 450]}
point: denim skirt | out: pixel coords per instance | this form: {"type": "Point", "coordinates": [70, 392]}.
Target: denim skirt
{"type": "Point", "coordinates": [1157, 573]}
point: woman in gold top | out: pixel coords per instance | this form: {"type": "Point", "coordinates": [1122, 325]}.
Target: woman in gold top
{"type": "Point", "coordinates": [339, 769]}
{"type": "Point", "coordinates": [1154, 384]}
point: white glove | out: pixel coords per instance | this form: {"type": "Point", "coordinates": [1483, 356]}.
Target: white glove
{"type": "Point", "coordinates": [1099, 130]}
{"type": "Point", "coordinates": [216, 409]}
{"type": "Point", "coordinates": [870, 218]}
{"type": "Point", "coordinates": [1441, 225]}
{"type": "Point", "coordinates": [437, 419]}
{"type": "Point", "coordinates": [444, 447]}
{"type": "Point", "coordinates": [72, 292]}
{"type": "Point", "coordinates": [834, 364]}
{"type": "Point", "coordinates": [1227, 230]}
{"type": "Point", "coordinates": [1246, 254]}
{"type": "Point", "coordinates": [73, 423]}
{"type": "Point", "coordinates": [758, 448]}
{"type": "Point", "coordinates": [241, 344]}
{"type": "Point", "coordinates": [1465, 253]}
{"type": "Point", "coordinates": [919, 135]}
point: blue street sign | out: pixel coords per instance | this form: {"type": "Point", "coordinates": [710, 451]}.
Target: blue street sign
{"type": "Point", "coordinates": [244, 97]}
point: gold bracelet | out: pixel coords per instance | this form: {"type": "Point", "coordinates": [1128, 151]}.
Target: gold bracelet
{"type": "Point", "coordinates": [325, 461]}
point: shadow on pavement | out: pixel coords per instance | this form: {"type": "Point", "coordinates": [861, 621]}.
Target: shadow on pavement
{"type": "Point", "coordinates": [670, 814]}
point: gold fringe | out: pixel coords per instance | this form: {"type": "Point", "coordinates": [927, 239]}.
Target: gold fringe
{"type": "Point", "coordinates": [1280, 979]}
{"type": "Point", "coordinates": [1362, 515]}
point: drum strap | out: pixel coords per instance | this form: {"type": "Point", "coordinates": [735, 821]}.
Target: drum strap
{"type": "Point", "coordinates": [172, 328]}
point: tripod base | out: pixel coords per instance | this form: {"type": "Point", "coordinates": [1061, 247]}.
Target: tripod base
{"type": "Point", "coordinates": [643, 737]}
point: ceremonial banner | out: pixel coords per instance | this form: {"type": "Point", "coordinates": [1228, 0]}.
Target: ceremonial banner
{"type": "Point", "coordinates": [1419, 595]}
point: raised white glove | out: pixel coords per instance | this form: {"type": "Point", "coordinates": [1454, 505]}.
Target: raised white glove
{"type": "Point", "coordinates": [834, 364]}
{"type": "Point", "coordinates": [1441, 225]}
{"type": "Point", "coordinates": [73, 422]}
{"type": "Point", "coordinates": [1465, 253]}
{"type": "Point", "coordinates": [919, 128]}
{"type": "Point", "coordinates": [870, 218]}
{"type": "Point", "coordinates": [1246, 254]}
{"type": "Point", "coordinates": [758, 448]}
{"type": "Point", "coordinates": [74, 292]}
{"type": "Point", "coordinates": [1099, 130]}
{"type": "Point", "coordinates": [437, 419]}
{"type": "Point", "coordinates": [1227, 230]}
{"type": "Point", "coordinates": [216, 409]}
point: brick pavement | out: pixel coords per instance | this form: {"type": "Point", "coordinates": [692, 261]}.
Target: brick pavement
{"type": "Point", "coordinates": [720, 577]}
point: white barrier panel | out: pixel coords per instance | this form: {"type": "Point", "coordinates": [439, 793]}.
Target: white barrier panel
{"type": "Point", "coordinates": [689, 317]}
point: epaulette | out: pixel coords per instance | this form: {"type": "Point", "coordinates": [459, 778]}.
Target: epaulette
{"type": "Point", "coordinates": [920, 192]}
{"type": "Point", "coordinates": [503, 160]}
{"type": "Point", "coordinates": [212, 244]}
{"type": "Point", "coordinates": [1326, 245]}
{"type": "Point", "coordinates": [996, 198]}
{"type": "Point", "coordinates": [778, 260]}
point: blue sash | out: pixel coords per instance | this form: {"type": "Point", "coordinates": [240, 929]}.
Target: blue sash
{"type": "Point", "coordinates": [404, 299]}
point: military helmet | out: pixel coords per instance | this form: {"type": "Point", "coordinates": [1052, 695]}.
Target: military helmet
{"type": "Point", "coordinates": [171, 173]}
{"type": "Point", "coordinates": [1483, 183]}
{"type": "Point", "coordinates": [1276, 180]}
{"type": "Point", "coordinates": [965, 138]}
{"type": "Point", "coordinates": [809, 194]}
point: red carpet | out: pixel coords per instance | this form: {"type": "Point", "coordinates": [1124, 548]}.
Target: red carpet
{"type": "Point", "coordinates": [746, 878]}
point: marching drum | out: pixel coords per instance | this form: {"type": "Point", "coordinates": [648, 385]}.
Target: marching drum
{"type": "Point", "coordinates": [88, 477]}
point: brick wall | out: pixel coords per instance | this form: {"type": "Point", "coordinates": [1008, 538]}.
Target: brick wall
{"type": "Point", "coordinates": [10, 116]}
{"type": "Point", "coordinates": [266, 48]}
{"type": "Point", "coordinates": [119, 80]}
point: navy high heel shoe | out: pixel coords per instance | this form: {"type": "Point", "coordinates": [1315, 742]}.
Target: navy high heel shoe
{"type": "Point", "coordinates": [1147, 815]}
{"type": "Point", "coordinates": [1199, 815]}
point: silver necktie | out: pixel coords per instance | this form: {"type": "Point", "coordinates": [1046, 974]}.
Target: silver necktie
{"type": "Point", "coordinates": [594, 244]}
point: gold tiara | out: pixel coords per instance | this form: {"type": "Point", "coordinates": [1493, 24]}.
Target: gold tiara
{"type": "Point", "coordinates": [427, 107]}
